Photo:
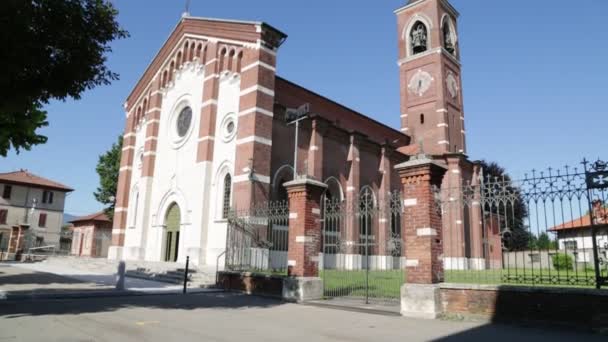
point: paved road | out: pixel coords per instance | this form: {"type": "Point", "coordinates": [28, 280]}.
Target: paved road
{"type": "Point", "coordinates": [229, 317]}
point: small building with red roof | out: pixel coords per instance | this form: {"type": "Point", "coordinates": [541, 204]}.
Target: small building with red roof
{"type": "Point", "coordinates": [576, 235]}
{"type": "Point", "coordinates": [92, 235]}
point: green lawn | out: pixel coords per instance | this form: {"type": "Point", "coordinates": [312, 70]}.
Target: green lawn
{"type": "Point", "coordinates": [387, 284]}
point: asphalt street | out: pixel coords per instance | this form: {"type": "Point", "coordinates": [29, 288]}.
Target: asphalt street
{"type": "Point", "coordinates": [232, 317]}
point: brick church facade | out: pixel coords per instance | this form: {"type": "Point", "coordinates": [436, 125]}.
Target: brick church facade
{"type": "Point", "coordinates": [206, 130]}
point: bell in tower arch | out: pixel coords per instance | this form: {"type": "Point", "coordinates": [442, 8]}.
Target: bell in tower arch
{"type": "Point", "coordinates": [419, 38]}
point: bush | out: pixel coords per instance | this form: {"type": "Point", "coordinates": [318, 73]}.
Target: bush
{"type": "Point", "coordinates": [563, 262]}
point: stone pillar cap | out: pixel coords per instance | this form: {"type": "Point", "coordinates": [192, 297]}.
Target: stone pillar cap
{"type": "Point", "coordinates": [305, 180]}
{"type": "Point", "coordinates": [419, 160]}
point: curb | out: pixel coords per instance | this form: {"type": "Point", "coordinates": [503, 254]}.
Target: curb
{"type": "Point", "coordinates": [5, 297]}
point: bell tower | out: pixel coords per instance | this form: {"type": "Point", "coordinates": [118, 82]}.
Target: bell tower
{"type": "Point", "coordinates": [430, 82]}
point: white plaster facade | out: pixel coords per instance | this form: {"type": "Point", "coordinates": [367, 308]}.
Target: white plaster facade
{"type": "Point", "coordinates": [196, 187]}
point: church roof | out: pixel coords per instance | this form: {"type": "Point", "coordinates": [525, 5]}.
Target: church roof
{"type": "Point", "coordinates": [251, 33]}
{"type": "Point", "coordinates": [292, 95]}
{"type": "Point", "coordinates": [24, 177]}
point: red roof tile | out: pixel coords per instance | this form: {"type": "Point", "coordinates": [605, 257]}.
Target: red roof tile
{"type": "Point", "coordinates": [24, 177]}
{"type": "Point", "coordinates": [100, 216]}
{"type": "Point", "coordinates": [601, 217]}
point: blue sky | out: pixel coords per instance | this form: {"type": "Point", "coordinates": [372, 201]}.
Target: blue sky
{"type": "Point", "coordinates": [535, 77]}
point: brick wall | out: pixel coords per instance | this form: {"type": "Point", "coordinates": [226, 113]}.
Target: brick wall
{"type": "Point", "coordinates": [581, 308]}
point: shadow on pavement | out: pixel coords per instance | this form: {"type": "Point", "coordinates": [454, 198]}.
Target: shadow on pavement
{"type": "Point", "coordinates": [16, 309]}
{"type": "Point", "coordinates": [509, 333]}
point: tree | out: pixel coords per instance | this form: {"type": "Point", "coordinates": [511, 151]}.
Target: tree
{"type": "Point", "coordinates": [108, 169]}
{"type": "Point", "coordinates": [512, 213]}
{"type": "Point", "coordinates": [50, 50]}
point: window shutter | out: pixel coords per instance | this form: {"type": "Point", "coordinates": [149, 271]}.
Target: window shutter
{"type": "Point", "coordinates": [42, 220]}
{"type": "Point", "coordinates": [3, 214]}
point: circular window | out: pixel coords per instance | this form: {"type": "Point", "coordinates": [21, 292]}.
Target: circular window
{"type": "Point", "coordinates": [228, 127]}
{"type": "Point", "coordinates": [184, 119]}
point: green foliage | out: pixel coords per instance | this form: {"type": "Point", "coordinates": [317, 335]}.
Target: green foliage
{"type": "Point", "coordinates": [542, 242]}
{"type": "Point", "coordinates": [50, 50]}
{"type": "Point", "coordinates": [108, 168]}
{"type": "Point", "coordinates": [512, 214]}
{"type": "Point", "coordinates": [563, 262]}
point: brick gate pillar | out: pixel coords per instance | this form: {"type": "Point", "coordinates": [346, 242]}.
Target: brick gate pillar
{"type": "Point", "coordinates": [422, 232]}
{"type": "Point", "coordinates": [305, 238]}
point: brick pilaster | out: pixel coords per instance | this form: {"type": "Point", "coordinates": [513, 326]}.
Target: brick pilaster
{"type": "Point", "coordinates": [454, 240]}
{"type": "Point", "coordinates": [352, 194]}
{"type": "Point", "coordinates": [305, 236]}
{"type": "Point", "coordinates": [384, 223]}
{"type": "Point", "coordinates": [124, 182]}
{"type": "Point", "coordinates": [421, 222]}
{"type": "Point", "coordinates": [254, 136]}
{"type": "Point", "coordinates": [315, 151]}
{"type": "Point", "coordinates": [208, 113]}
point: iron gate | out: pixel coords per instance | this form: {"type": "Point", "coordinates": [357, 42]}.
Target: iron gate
{"type": "Point", "coordinates": [549, 228]}
{"type": "Point", "coordinates": [362, 251]}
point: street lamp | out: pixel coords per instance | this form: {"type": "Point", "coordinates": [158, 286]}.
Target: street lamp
{"type": "Point", "coordinates": [293, 117]}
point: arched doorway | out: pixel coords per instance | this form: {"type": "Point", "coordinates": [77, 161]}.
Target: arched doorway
{"type": "Point", "coordinates": [171, 233]}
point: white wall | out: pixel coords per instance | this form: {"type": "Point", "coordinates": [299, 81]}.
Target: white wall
{"type": "Point", "coordinates": [177, 177]}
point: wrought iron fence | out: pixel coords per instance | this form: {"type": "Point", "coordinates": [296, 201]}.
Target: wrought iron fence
{"type": "Point", "coordinates": [258, 238]}
{"type": "Point", "coordinates": [550, 228]}
{"type": "Point", "coordinates": [362, 252]}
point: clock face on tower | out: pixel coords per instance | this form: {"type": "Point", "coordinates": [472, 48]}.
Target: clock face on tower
{"type": "Point", "coordinates": [452, 84]}
{"type": "Point", "coordinates": [420, 82]}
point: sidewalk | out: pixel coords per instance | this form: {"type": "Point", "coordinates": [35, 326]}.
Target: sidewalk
{"type": "Point", "coordinates": [20, 281]}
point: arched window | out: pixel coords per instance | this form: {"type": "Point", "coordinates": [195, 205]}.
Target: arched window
{"type": "Point", "coordinates": [419, 38]}
{"type": "Point", "coordinates": [226, 198]}
{"type": "Point", "coordinates": [366, 213]}
{"type": "Point", "coordinates": [449, 36]}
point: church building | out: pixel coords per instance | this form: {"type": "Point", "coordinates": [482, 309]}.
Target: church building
{"type": "Point", "coordinates": [208, 129]}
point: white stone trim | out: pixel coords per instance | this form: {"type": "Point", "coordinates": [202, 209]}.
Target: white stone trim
{"type": "Point", "coordinates": [314, 148]}
{"type": "Point", "coordinates": [150, 110]}
{"type": "Point", "coordinates": [259, 88]}
{"type": "Point", "coordinates": [263, 48]}
{"type": "Point", "coordinates": [125, 168]}
{"type": "Point", "coordinates": [291, 263]}
{"type": "Point", "coordinates": [304, 239]}
{"type": "Point", "coordinates": [350, 188]}
{"type": "Point", "coordinates": [254, 138]}
{"type": "Point", "coordinates": [255, 177]}
{"type": "Point", "coordinates": [258, 110]}
{"type": "Point", "coordinates": [442, 110]}
{"type": "Point", "coordinates": [443, 125]}
{"type": "Point", "coordinates": [410, 202]}
{"type": "Point", "coordinates": [152, 121]}
{"type": "Point", "coordinates": [212, 60]}
{"type": "Point", "coordinates": [455, 171]}
{"type": "Point", "coordinates": [259, 63]}
{"type": "Point", "coordinates": [128, 148]}
{"type": "Point", "coordinates": [205, 138]}
{"type": "Point", "coordinates": [405, 129]}
{"type": "Point", "coordinates": [443, 142]}
{"type": "Point", "coordinates": [149, 153]}
{"type": "Point", "coordinates": [459, 222]}
{"type": "Point", "coordinates": [293, 216]}
{"type": "Point", "coordinates": [210, 77]}
{"type": "Point", "coordinates": [412, 263]}
{"type": "Point", "coordinates": [128, 135]}
{"type": "Point", "coordinates": [404, 115]}
{"type": "Point", "coordinates": [426, 232]}
{"type": "Point", "coordinates": [120, 209]}
{"type": "Point", "coordinates": [208, 103]}
{"type": "Point", "coordinates": [316, 211]}
{"type": "Point", "coordinates": [151, 138]}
